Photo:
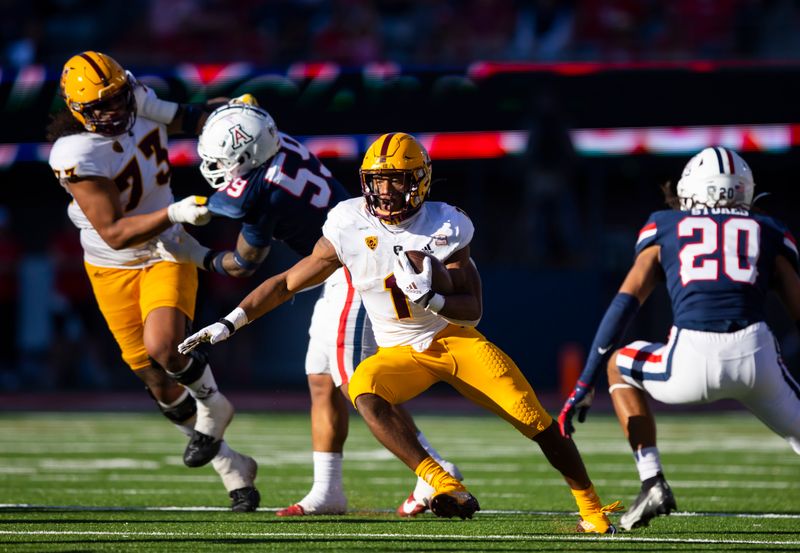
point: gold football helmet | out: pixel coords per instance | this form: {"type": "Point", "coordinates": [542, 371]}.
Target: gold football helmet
{"type": "Point", "coordinates": [98, 93]}
{"type": "Point", "coordinates": [401, 158]}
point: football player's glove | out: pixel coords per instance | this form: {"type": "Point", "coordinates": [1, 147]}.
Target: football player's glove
{"type": "Point", "coordinates": [216, 332]}
{"type": "Point", "coordinates": [180, 247]}
{"type": "Point", "coordinates": [212, 334]}
{"type": "Point", "coordinates": [579, 400]}
{"type": "Point", "coordinates": [191, 209]}
{"type": "Point", "coordinates": [416, 286]}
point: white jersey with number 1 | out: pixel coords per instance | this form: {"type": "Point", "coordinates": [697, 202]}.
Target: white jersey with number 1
{"type": "Point", "coordinates": [138, 163]}
{"type": "Point", "coordinates": [368, 249]}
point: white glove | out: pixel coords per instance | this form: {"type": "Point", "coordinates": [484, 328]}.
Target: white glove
{"type": "Point", "coordinates": [181, 247]}
{"type": "Point", "coordinates": [212, 334]}
{"type": "Point", "coordinates": [190, 210]}
{"type": "Point", "coordinates": [215, 333]}
{"type": "Point", "coordinates": [416, 287]}
{"type": "Point", "coordinates": [149, 106]}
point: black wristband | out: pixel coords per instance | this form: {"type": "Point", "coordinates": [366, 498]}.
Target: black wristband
{"type": "Point", "coordinates": [208, 258]}
{"type": "Point", "coordinates": [228, 325]}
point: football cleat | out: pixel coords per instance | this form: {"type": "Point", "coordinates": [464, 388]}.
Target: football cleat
{"type": "Point", "coordinates": [650, 503]}
{"type": "Point", "coordinates": [411, 507]}
{"type": "Point", "coordinates": [332, 506]}
{"type": "Point", "coordinates": [200, 449]}
{"type": "Point", "coordinates": [419, 500]}
{"type": "Point", "coordinates": [238, 473]}
{"type": "Point", "coordinates": [244, 500]}
{"type": "Point", "coordinates": [291, 511]}
{"type": "Point", "coordinates": [458, 503]}
{"type": "Point", "coordinates": [599, 523]}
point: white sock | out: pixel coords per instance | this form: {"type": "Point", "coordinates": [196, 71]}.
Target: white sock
{"type": "Point", "coordinates": [648, 462]}
{"type": "Point", "coordinates": [327, 492]}
{"type": "Point", "coordinates": [426, 445]}
{"type": "Point", "coordinates": [327, 471]}
{"type": "Point", "coordinates": [205, 387]}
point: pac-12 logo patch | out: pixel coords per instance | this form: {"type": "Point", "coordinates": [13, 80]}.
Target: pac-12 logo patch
{"type": "Point", "coordinates": [371, 242]}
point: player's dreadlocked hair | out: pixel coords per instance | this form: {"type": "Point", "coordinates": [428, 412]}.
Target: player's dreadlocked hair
{"type": "Point", "coordinates": [63, 124]}
{"type": "Point", "coordinates": [671, 195]}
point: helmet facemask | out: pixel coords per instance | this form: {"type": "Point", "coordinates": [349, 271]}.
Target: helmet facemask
{"type": "Point", "coordinates": [110, 116]}
{"type": "Point", "coordinates": [403, 185]}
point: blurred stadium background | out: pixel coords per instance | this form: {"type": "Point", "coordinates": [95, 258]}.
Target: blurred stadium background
{"type": "Point", "coordinates": [552, 123]}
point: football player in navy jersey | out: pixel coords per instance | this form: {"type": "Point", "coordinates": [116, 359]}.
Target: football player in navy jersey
{"type": "Point", "coordinates": [281, 191]}
{"type": "Point", "coordinates": [718, 258]}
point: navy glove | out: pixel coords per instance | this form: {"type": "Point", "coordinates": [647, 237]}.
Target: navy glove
{"type": "Point", "coordinates": [579, 400]}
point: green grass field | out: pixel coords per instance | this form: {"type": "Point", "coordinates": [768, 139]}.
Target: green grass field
{"type": "Point", "coordinates": [115, 482]}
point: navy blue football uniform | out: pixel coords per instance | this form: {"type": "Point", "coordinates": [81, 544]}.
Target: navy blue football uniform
{"type": "Point", "coordinates": [286, 199]}
{"type": "Point", "coordinates": [718, 264]}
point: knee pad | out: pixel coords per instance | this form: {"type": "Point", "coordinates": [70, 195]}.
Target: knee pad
{"type": "Point", "coordinates": [181, 411]}
{"type": "Point", "coordinates": [194, 370]}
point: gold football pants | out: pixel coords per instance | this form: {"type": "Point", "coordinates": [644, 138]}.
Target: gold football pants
{"type": "Point", "coordinates": [127, 296]}
{"type": "Point", "coordinates": [465, 359]}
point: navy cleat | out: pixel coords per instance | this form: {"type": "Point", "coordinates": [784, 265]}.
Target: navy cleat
{"type": "Point", "coordinates": [652, 502]}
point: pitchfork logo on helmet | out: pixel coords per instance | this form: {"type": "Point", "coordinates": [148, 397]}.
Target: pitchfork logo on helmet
{"type": "Point", "coordinates": [716, 177]}
{"type": "Point", "coordinates": [98, 93]}
{"type": "Point", "coordinates": [397, 156]}
{"type": "Point", "coordinates": [236, 139]}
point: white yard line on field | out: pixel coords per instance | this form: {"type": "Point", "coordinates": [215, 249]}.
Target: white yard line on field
{"type": "Point", "coordinates": [77, 508]}
{"type": "Point", "coordinates": [426, 537]}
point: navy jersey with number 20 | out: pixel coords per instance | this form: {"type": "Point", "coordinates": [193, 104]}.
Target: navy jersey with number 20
{"type": "Point", "coordinates": [286, 199]}
{"type": "Point", "coordinates": [718, 263]}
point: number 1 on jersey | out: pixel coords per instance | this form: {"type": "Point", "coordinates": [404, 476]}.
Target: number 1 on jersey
{"type": "Point", "coordinates": [399, 299]}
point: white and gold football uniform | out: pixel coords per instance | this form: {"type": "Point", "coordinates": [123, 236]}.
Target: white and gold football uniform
{"type": "Point", "coordinates": [138, 163]}
{"type": "Point", "coordinates": [128, 283]}
{"type": "Point", "coordinates": [418, 348]}
{"type": "Point", "coordinates": [368, 248]}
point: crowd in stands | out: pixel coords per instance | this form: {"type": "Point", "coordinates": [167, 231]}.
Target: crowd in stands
{"type": "Point", "coordinates": [352, 32]}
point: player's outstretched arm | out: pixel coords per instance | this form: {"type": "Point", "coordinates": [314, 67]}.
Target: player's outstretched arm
{"type": "Point", "coordinates": [309, 271]}
{"type": "Point", "coordinates": [637, 286]}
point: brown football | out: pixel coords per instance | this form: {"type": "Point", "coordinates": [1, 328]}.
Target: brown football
{"type": "Point", "coordinates": [441, 281]}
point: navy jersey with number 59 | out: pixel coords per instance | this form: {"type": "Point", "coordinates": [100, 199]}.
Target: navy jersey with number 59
{"type": "Point", "coordinates": [287, 198]}
{"type": "Point", "coordinates": [718, 263]}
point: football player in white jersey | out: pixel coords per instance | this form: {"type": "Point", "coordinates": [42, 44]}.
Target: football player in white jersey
{"type": "Point", "coordinates": [281, 191]}
{"type": "Point", "coordinates": [110, 155]}
{"type": "Point", "coordinates": [423, 336]}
